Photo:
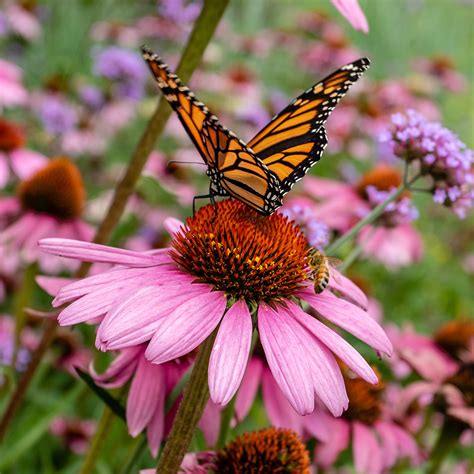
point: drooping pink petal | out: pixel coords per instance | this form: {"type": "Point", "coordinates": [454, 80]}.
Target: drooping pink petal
{"type": "Point", "coordinates": [338, 431]}
{"type": "Point", "coordinates": [325, 373]}
{"type": "Point", "coordinates": [210, 423]}
{"type": "Point", "coordinates": [287, 358]}
{"type": "Point", "coordinates": [407, 446]}
{"type": "Point", "coordinates": [335, 343]}
{"type": "Point", "coordinates": [462, 413]}
{"type": "Point", "coordinates": [248, 388]}
{"type": "Point", "coordinates": [186, 327]}
{"type": "Point", "coordinates": [120, 370]}
{"type": "Point", "coordinates": [352, 12]}
{"type": "Point", "coordinates": [143, 396]}
{"type": "Point", "coordinates": [314, 425]}
{"type": "Point", "coordinates": [348, 288]}
{"type": "Point", "coordinates": [366, 450]}
{"type": "Point", "coordinates": [134, 319]}
{"type": "Point", "coordinates": [156, 426]}
{"type": "Point", "coordinates": [349, 317]}
{"type": "Point", "coordinates": [230, 353]}
{"type": "Point", "coordinates": [388, 441]}
{"type": "Point", "coordinates": [412, 393]}
{"type": "Point", "coordinates": [279, 411]}
{"type": "Point", "coordinates": [89, 252]}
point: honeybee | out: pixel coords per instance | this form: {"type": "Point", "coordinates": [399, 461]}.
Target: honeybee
{"type": "Point", "coordinates": [319, 265]}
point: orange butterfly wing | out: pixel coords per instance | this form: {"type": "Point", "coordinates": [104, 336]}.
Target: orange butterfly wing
{"type": "Point", "coordinates": [295, 139]}
{"type": "Point", "coordinates": [233, 168]}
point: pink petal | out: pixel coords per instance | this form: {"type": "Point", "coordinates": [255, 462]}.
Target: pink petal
{"type": "Point", "coordinates": [335, 343]}
{"type": "Point", "coordinates": [351, 318]}
{"type": "Point", "coordinates": [143, 396]}
{"type": "Point", "coordinates": [348, 288]}
{"type": "Point", "coordinates": [210, 423]}
{"type": "Point", "coordinates": [173, 226]}
{"type": "Point", "coordinates": [156, 426]}
{"type": "Point", "coordinates": [388, 443]}
{"type": "Point", "coordinates": [230, 353]}
{"type": "Point", "coordinates": [91, 306]}
{"type": "Point", "coordinates": [186, 327]}
{"type": "Point", "coordinates": [52, 285]}
{"type": "Point", "coordinates": [465, 414]}
{"type": "Point", "coordinates": [338, 440]}
{"type": "Point", "coordinates": [413, 392]}
{"type": "Point", "coordinates": [89, 252]}
{"type": "Point", "coordinates": [120, 370]}
{"type": "Point", "coordinates": [314, 425]}
{"type": "Point", "coordinates": [366, 450]}
{"type": "Point", "coordinates": [134, 319]}
{"type": "Point", "coordinates": [324, 371]}
{"type": "Point", "coordinates": [279, 411]}
{"type": "Point", "coordinates": [352, 12]}
{"type": "Point", "coordinates": [248, 388]}
{"type": "Point", "coordinates": [26, 162]}
{"type": "Point", "coordinates": [287, 358]}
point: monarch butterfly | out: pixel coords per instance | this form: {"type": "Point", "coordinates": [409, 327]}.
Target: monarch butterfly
{"type": "Point", "coordinates": [262, 171]}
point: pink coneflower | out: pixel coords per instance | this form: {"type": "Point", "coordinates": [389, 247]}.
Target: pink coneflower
{"type": "Point", "coordinates": [13, 156]}
{"type": "Point", "coordinates": [378, 443]}
{"type": "Point", "coordinates": [448, 381]}
{"type": "Point", "coordinates": [52, 201]}
{"type": "Point", "coordinates": [12, 91]}
{"type": "Point", "coordinates": [223, 264]}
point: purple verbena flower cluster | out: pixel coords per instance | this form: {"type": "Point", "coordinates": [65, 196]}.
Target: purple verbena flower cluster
{"type": "Point", "coordinates": [56, 114]}
{"type": "Point", "coordinates": [397, 212]}
{"type": "Point", "coordinates": [124, 67]}
{"type": "Point", "coordinates": [439, 153]}
{"type": "Point", "coordinates": [316, 232]}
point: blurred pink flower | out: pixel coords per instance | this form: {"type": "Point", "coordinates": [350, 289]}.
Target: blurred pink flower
{"type": "Point", "coordinates": [12, 91]}
{"type": "Point", "coordinates": [75, 433]}
{"type": "Point", "coordinates": [172, 302]}
{"type": "Point", "coordinates": [378, 442]}
{"type": "Point", "coordinates": [351, 10]}
{"type": "Point", "coordinates": [22, 21]}
{"type": "Point", "coordinates": [52, 201]}
{"type": "Point", "coordinates": [443, 69]}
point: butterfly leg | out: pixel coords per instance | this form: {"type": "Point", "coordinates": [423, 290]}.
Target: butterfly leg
{"type": "Point", "coordinates": [202, 196]}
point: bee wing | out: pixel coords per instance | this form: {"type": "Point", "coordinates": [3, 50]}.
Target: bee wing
{"type": "Point", "coordinates": [334, 262]}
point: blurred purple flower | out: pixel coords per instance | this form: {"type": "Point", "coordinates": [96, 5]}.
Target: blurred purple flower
{"type": "Point", "coordinates": [123, 66]}
{"type": "Point", "coordinates": [179, 11]}
{"type": "Point", "coordinates": [316, 231]}
{"type": "Point", "coordinates": [92, 97]}
{"type": "Point", "coordinates": [439, 153]}
{"type": "Point", "coordinates": [56, 114]}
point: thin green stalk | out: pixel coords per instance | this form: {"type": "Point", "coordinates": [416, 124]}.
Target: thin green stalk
{"type": "Point", "coordinates": [95, 447]}
{"type": "Point", "coordinates": [189, 412]}
{"type": "Point", "coordinates": [23, 299]}
{"type": "Point", "coordinates": [131, 465]}
{"type": "Point", "coordinates": [369, 218]}
{"type": "Point", "coordinates": [351, 258]}
{"type": "Point", "coordinates": [447, 439]}
{"type": "Point", "coordinates": [200, 36]}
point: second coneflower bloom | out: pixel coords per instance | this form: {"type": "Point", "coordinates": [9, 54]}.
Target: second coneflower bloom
{"type": "Point", "coordinates": [51, 202]}
{"type": "Point", "coordinates": [232, 269]}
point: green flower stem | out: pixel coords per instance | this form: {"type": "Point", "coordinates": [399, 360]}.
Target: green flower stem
{"type": "Point", "coordinates": [95, 447]}
{"type": "Point", "coordinates": [189, 413]}
{"type": "Point", "coordinates": [369, 218]}
{"type": "Point", "coordinates": [131, 465]}
{"type": "Point", "coordinates": [226, 418]}
{"type": "Point", "coordinates": [447, 439]}
{"type": "Point", "coordinates": [200, 36]}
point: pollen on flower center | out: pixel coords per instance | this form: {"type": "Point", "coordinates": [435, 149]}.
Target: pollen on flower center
{"type": "Point", "coordinates": [454, 337]}
{"type": "Point", "coordinates": [11, 137]}
{"type": "Point", "coordinates": [57, 189]}
{"type": "Point", "coordinates": [365, 403]}
{"type": "Point", "coordinates": [267, 450]}
{"type": "Point", "coordinates": [235, 249]}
